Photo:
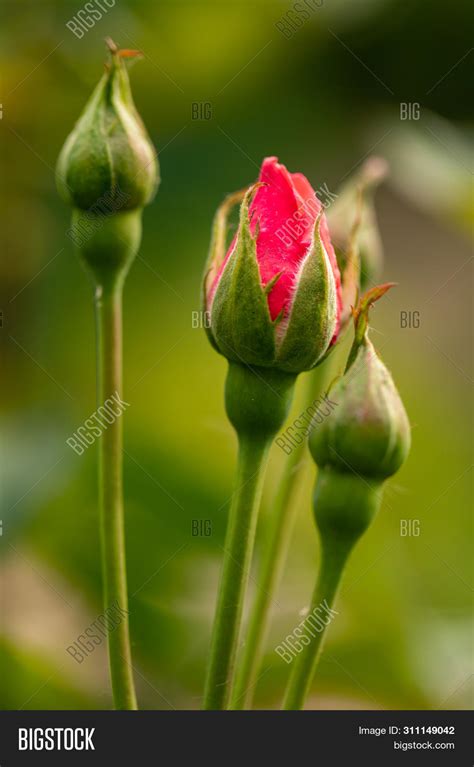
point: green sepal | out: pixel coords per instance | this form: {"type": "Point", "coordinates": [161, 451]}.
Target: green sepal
{"type": "Point", "coordinates": [217, 252]}
{"type": "Point", "coordinates": [361, 317]}
{"type": "Point", "coordinates": [362, 185]}
{"type": "Point", "coordinates": [240, 318]}
{"type": "Point", "coordinates": [350, 275]}
{"type": "Point", "coordinates": [312, 319]}
{"type": "Point", "coordinates": [268, 289]}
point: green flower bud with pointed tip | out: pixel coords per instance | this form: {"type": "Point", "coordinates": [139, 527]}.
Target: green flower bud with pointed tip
{"type": "Point", "coordinates": [368, 432]}
{"type": "Point", "coordinates": [109, 154]}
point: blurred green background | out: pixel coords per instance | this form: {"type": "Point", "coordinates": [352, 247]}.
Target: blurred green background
{"type": "Point", "coordinates": [322, 97]}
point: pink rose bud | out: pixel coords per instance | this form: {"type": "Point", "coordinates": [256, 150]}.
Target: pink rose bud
{"type": "Point", "coordinates": [274, 298]}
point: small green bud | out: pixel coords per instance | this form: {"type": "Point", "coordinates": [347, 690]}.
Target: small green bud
{"type": "Point", "coordinates": [109, 155]}
{"type": "Point", "coordinates": [368, 433]}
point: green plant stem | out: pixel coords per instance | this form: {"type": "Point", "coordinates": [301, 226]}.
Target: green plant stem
{"type": "Point", "coordinates": [237, 561]}
{"type": "Point", "coordinates": [274, 556]}
{"type": "Point", "coordinates": [257, 403]}
{"type": "Point", "coordinates": [345, 503]}
{"type": "Point", "coordinates": [109, 361]}
{"type": "Point", "coordinates": [333, 559]}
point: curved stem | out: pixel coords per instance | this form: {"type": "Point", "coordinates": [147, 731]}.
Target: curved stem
{"type": "Point", "coordinates": [333, 558]}
{"type": "Point", "coordinates": [237, 561]}
{"type": "Point", "coordinates": [274, 556]}
{"type": "Point", "coordinates": [109, 364]}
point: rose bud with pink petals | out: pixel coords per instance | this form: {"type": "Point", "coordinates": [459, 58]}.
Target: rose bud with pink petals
{"type": "Point", "coordinates": [274, 299]}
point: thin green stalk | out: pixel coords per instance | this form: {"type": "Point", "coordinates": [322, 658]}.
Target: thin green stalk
{"type": "Point", "coordinates": [237, 562]}
{"type": "Point", "coordinates": [344, 506]}
{"type": "Point", "coordinates": [109, 362]}
{"type": "Point", "coordinates": [333, 558]}
{"type": "Point", "coordinates": [278, 538]}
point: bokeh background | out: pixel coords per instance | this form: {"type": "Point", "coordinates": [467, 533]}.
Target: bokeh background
{"type": "Point", "coordinates": [322, 99]}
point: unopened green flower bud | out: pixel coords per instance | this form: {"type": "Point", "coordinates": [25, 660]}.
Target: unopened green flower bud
{"type": "Point", "coordinates": [368, 433]}
{"type": "Point", "coordinates": [109, 158]}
